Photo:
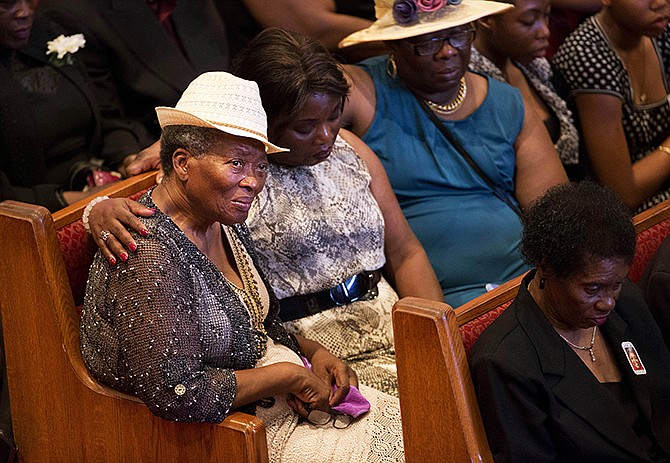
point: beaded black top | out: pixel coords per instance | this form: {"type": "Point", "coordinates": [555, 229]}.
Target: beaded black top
{"type": "Point", "coordinates": [167, 327]}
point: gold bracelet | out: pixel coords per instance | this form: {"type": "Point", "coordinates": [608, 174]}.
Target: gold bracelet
{"type": "Point", "coordinates": [665, 149]}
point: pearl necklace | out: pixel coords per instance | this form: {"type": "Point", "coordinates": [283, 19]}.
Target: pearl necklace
{"type": "Point", "coordinates": [445, 110]}
{"type": "Point", "coordinates": [589, 347]}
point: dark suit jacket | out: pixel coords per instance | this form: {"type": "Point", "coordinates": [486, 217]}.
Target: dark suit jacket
{"type": "Point", "coordinates": [22, 163]}
{"type": "Point", "coordinates": [131, 57]}
{"type": "Point", "coordinates": [540, 403]}
{"type": "Point", "coordinates": [655, 284]}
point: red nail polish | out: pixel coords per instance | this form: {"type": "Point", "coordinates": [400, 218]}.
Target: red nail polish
{"type": "Point", "coordinates": [144, 232]}
{"type": "Point", "coordinates": [132, 246]}
{"type": "Point", "coordinates": [112, 261]}
{"type": "Point", "coordinates": [124, 256]}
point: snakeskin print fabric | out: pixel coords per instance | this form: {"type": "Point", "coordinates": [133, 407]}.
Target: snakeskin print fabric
{"type": "Point", "coordinates": [315, 226]}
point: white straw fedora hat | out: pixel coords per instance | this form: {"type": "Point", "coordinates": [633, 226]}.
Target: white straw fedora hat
{"type": "Point", "coordinates": [400, 19]}
{"type": "Point", "coordinates": [221, 101]}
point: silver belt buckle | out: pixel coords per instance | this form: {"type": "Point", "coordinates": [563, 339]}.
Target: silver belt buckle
{"type": "Point", "coordinates": [360, 284]}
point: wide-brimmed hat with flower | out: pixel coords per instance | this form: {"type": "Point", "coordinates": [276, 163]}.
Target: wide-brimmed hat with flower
{"type": "Point", "coordinates": [222, 101]}
{"type": "Point", "coordinates": [400, 19]}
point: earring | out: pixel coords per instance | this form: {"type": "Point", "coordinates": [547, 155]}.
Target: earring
{"type": "Point", "coordinates": [541, 284]}
{"type": "Point", "coordinates": [391, 67]}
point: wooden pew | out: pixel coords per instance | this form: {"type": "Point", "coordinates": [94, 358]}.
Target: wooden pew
{"type": "Point", "coordinates": [440, 415]}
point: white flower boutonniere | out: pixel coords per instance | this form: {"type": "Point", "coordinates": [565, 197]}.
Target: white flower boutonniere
{"type": "Point", "coordinates": [61, 48]}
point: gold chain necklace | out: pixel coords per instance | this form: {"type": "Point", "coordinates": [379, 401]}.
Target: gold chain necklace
{"type": "Point", "coordinates": [250, 294]}
{"type": "Point", "coordinates": [589, 347]}
{"type": "Point", "coordinates": [445, 110]}
{"type": "Point", "coordinates": [643, 94]}
{"type": "Point", "coordinates": [642, 97]}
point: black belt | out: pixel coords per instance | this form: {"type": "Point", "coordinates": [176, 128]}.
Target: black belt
{"type": "Point", "coordinates": [360, 287]}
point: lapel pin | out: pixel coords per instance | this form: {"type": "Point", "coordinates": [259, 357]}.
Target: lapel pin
{"type": "Point", "coordinates": [633, 357]}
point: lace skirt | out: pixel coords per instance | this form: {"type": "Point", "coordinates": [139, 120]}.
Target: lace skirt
{"type": "Point", "coordinates": [374, 437]}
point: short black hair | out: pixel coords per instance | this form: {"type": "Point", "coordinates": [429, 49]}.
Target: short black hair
{"type": "Point", "coordinates": [196, 140]}
{"type": "Point", "coordinates": [288, 68]}
{"type": "Point", "coordinates": [573, 223]}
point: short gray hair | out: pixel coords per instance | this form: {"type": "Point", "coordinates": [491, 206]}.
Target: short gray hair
{"type": "Point", "coordinates": [195, 140]}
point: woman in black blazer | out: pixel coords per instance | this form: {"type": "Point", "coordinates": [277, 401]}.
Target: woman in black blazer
{"type": "Point", "coordinates": [50, 122]}
{"type": "Point", "coordinates": [575, 369]}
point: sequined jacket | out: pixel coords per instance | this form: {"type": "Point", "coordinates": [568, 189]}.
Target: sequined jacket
{"type": "Point", "coordinates": [166, 327]}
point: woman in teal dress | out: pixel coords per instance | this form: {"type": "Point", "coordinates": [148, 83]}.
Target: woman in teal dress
{"type": "Point", "coordinates": [470, 234]}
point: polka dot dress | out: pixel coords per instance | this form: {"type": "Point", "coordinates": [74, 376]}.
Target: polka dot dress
{"type": "Point", "coordinates": [590, 65]}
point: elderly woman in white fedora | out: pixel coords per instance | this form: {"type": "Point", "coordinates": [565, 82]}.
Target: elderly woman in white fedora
{"type": "Point", "coordinates": [328, 230]}
{"type": "Point", "coordinates": [463, 154]}
{"type": "Point", "coordinates": [190, 325]}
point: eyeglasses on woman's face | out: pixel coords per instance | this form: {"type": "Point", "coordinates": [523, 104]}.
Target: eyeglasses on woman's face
{"type": "Point", "coordinates": [458, 40]}
{"type": "Point", "coordinates": [320, 418]}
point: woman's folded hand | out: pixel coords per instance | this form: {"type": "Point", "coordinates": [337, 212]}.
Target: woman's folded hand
{"type": "Point", "coordinates": [307, 390]}
{"type": "Point", "coordinates": [335, 372]}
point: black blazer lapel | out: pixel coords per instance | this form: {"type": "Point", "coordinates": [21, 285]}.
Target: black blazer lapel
{"type": "Point", "coordinates": [651, 391]}
{"type": "Point", "coordinates": [37, 47]}
{"type": "Point", "coordinates": [616, 332]}
{"type": "Point", "coordinates": [581, 392]}
{"type": "Point", "coordinates": [136, 24]}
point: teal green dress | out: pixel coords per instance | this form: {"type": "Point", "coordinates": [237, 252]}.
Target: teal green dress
{"type": "Point", "coordinates": [471, 237]}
